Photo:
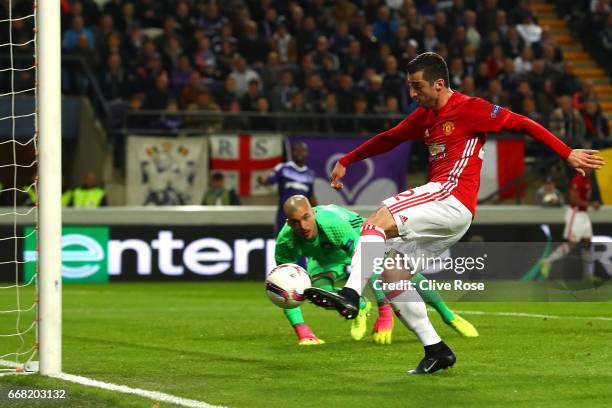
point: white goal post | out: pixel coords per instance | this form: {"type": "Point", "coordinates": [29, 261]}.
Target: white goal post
{"type": "Point", "coordinates": [49, 106]}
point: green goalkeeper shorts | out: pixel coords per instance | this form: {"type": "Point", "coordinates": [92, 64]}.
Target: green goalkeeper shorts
{"type": "Point", "coordinates": [334, 272]}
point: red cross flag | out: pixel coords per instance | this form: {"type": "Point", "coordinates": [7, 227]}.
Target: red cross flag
{"type": "Point", "coordinates": [242, 158]}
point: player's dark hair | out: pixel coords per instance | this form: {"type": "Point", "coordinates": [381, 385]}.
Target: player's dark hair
{"type": "Point", "coordinates": [218, 176]}
{"type": "Point", "coordinates": [433, 67]}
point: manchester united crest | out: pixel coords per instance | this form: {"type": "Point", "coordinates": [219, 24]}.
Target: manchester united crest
{"type": "Point", "coordinates": [447, 128]}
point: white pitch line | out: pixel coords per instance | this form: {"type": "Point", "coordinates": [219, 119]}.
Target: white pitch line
{"type": "Point", "coordinates": [8, 363]}
{"type": "Point", "coordinates": [533, 315]}
{"type": "Point", "coordinates": [154, 395]}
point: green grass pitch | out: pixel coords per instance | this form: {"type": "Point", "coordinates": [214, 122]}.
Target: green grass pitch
{"type": "Point", "coordinates": [226, 344]}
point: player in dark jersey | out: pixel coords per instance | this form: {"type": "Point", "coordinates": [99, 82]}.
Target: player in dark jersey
{"type": "Point", "coordinates": [578, 229]}
{"type": "Point", "coordinates": [432, 217]}
{"type": "Point", "coordinates": [292, 177]}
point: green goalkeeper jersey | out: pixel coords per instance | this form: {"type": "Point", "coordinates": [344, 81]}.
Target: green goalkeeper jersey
{"type": "Point", "coordinates": [333, 247]}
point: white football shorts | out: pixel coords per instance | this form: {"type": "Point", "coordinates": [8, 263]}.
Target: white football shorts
{"type": "Point", "coordinates": [577, 225]}
{"type": "Point", "coordinates": [429, 220]}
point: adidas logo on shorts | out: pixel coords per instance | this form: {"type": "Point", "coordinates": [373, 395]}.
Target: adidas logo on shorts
{"type": "Point", "coordinates": [403, 218]}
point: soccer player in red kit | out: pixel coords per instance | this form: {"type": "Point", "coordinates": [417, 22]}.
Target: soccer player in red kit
{"type": "Point", "coordinates": [578, 228]}
{"type": "Point", "coordinates": [432, 217]}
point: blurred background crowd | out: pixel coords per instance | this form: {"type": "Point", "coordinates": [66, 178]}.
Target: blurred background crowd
{"type": "Point", "coordinates": [320, 56]}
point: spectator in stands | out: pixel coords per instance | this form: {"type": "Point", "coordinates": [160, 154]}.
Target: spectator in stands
{"type": "Point", "coordinates": [252, 46]}
{"type": "Point", "coordinates": [211, 120]}
{"type": "Point", "coordinates": [495, 94]}
{"type": "Point", "coordinates": [341, 40]}
{"type": "Point", "coordinates": [596, 124]}
{"type": "Point", "coordinates": [472, 34]}
{"type": "Point", "coordinates": [518, 97]}
{"type": "Point", "coordinates": [548, 44]}
{"type": "Point", "coordinates": [268, 25]}
{"type": "Point", "coordinates": [548, 195]}
{"type": "Point", "coordinates": [315, 93]}
{"type": "Point", "coordinates": [170, 121]}
{"type": "Point", "coordinates": [104, 29]}
{"type": "Point", "coordinates": [458, 43]}
{"type": "Point", "coordinates": [568, 83]}
{"type": "Point", "coordinates": [331, 108]}
{"type": "Point", "coordinates": [204, 58]}
{"type": "Point", "coordinates": [128, 18]}
{"type": "Point", "coordinates": [546, 100]}
{"type": "Point", "coordinates": [158, 97]}
{"type": "Point", "coordinates": [282, 94]}
{"type": "Point", "coordinates": [361, 124]}
{"type": "Point", "coordinates": [242, 75]}
{"type": "Point", "coordinates": [212, 21]}
{"type": "Point", "coordinates": [307, 36]}
{"type": "Point", "coordinates": [346, 95]}
{"type": "Point", "coordinates": [218, 194]}
{"type": "Point", "coordinates": [271, 71]}
{"type": "Point", "coordinates": [115, 81]}
{"type": "Point", "coordinates": [443, 29]}
{"type": "Point", "coordinates": [322, 52]}
{"type": "Point", "coordinates": [227, 93]}
{"type": "Point", "coordinates": [585, 94]}
{"type": "Point", "coordinates": [385, 26]}
{"type": "Point", "coordinates": [489, 17]}
{"type": "Point", "coordinates": [501, 23]}
{"type": "Point", "coordinates": [496, 61]}
{"type": "Point", "coordinates": [298, 106]}
{"type": "Point", "coordinates": [510, 79]}
{"type": "Point", "coordinates": [492, 40]}
{"type": "Point", "coordinates": [234, 120]}
{"type": "Point", "coordinates": [529, 109]}
{"type": "Point", "coordinates": [430, 39]}
{"type": "Point", "coordinates": [456, 72]}
{"type": "Point", "coordinates": [344, 11]}
{"type": "Point", "coordinates": [524, 63]}
{"type": "Point", "coordinates": [90, 194]}
{"type": "Point", "coordinates": [538, 75]}
{"type": "Point", "coordinates": [529, 30]}
{"type": "Point", "coordinates": [394, 82]}
{"type": "Point", "coordinates": [284, 43]}
{"type": "Point", "coordinates": [262, 121]}
{"type": "Point", "coordinates": [248, 102]}
{"type": "Point", "coordinates": [191, 91]}
{"type": "Point", "coordinates": [468, 87]}
{"type": "Point", "coordinates": [410, 51]}
{"type": "Point", "coordinates": [181, 75]}
{"type": "Point", "coordinates": [78, 30]}
{"type": "Point", "coordinates": [226, 36]}
{"type": "Point", "coordinates": [567, 123]}
{"type": "Point", "coordinates": [377, 101]}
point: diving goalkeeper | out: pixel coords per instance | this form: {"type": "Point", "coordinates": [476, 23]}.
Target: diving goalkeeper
{"type": "Point", "coordinates": [327, 235]}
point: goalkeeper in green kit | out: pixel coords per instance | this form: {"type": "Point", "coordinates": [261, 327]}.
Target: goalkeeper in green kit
{"type": "Point", "coordinates": [326, 235]}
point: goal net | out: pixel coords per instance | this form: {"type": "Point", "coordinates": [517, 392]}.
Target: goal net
{"type": "Point", "coordinates": [30, 174]}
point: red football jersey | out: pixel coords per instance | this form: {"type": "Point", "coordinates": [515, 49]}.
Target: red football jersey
{"type": "Point", "coordinates": [582, 185]}
{"type": "Point", "coordinates": [455, 135]}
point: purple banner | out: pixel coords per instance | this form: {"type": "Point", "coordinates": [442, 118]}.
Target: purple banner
{"type": "Point", "coordinates": [367, 182]}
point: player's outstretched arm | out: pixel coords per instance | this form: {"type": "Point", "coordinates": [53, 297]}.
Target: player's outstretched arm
{"type": "Point", "coordinates": [581, 159]}
{"type": "Point", "coordinates": [410, 128]}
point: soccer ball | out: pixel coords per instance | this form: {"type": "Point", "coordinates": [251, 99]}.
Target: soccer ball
{"type": "Point", "coordinates": [285, 285]}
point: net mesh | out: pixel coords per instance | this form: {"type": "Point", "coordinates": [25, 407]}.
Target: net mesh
{"type": "Point", "coordinates": [18, 182]}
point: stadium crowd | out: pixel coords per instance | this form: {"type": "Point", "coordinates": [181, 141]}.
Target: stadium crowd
{"type": "Point", "coordinates": [321, 57]}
